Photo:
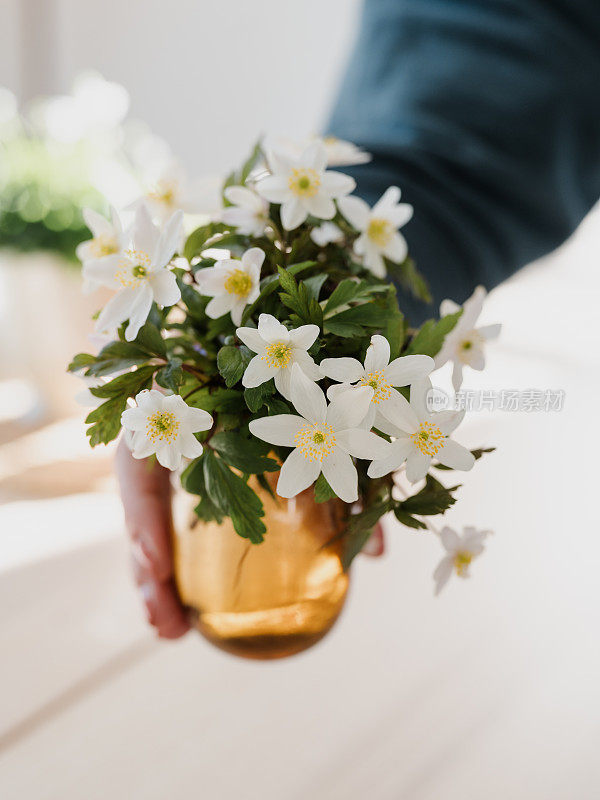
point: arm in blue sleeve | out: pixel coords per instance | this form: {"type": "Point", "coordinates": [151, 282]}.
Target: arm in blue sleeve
{"type": "Point", "coordinates": [485, 113]}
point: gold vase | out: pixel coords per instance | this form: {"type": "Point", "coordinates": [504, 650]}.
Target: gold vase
{"type": "Point", "coordinates": [266, 600]}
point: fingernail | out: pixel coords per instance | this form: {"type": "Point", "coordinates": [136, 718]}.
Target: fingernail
{"type": "Point", "coordinates": [141, 557]}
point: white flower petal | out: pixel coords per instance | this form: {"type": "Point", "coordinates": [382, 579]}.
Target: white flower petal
{"type": "Point", "coordinates": [189, 446]}
{"type": "Point", "coordinates": [251, 338]}
{"type": "Point", "coordinates": [308, 399]}
{"type": "Point", "coordinates": [271, 330]}
{"type": "Point", "coordinates": [197, 419]}
{"type": "Point", "coordinates": [164, 287]}
{"type": "Point", "coordinates": [220, 304]}
{"type": "Point", "coordinates": [341, 475]}
{"type": "Point", "coordinates": [455, 456]}
{"type": "Point", "coordinates": [293, 213]}
{"type": "Point", "coordinates": [210, 281]}
{"type": "Point", "coordinates": [419, 391]}
{"type": "Point", "coordinates": [407, 369]}
{"type": "Point", "coordinates": [417, 465]}
{"type": "Point", "coordinates": [320, 206]}
{"type": "Point", "coordinates": [348, 409]}
{"type": "Point", "coordinates": [344, 370]}
{"type": "Point", "coordinates": [297, 474]}
{"type": "Point", "coordinates": [283, 382]}
{"type": "Point", "coordinates": [314, 156]}
{"type": "Point", "coordinates": [279, 429]}
{"type": "Point", "coordinates": [144, 233]}
{"type": "Point", "coordinates": [307, 365]}
{"type": "Point", "coordinates": [337, 184]}
{"type": "Point", "coordinates": [169, 456]}
{"type": "Point", "coordinates": [442, 573]}
{"type": "Point", "coordinates": [387, 201]}
{"type": "Point", "coordinates": [394, 456]}
{"type": "Point", "coordinates": [304, 336]}
{"type": "Point", "coordinates": [396, 249]}
{"type": "Point", "coordinates": [356, 211]}
{"type": "Point", "coordinates": [361, 443]}
{"type": "Point", "coordinates": [274, 188]}
{"type": "Point", "coordinates": [490, 331]}
{"type": "Point", "coordinates": [170, 239]}
{"type": "Point", "coordinates": [98, 225]}
{"type": "Point", "coordinates": [450, 539]}
{"type": "Point", "coordinates": [375, 263]}
{"type": "Point", "coordinates": [400, 413]}
{"type": "Point", "coordinates": [252, 260]}
{"type": "Point", "coordinates": [103, 271]}
{"type": "Point", "coordinates": [472, 308]}
{"type": "Point", "coordinates": [139, 311]}
{"type": "Point", "coordinates": [400, 214]}
{"type": "Point", "coordinates": [378, 354]}
{"type": "Point", "coordinates": [457, 375]}
{"type": "Point", "coordinates": [116, 310]}
{"type": "Point", "coordinates": [257, 372]}
{"type": "Point", "coordinates": [238, 310]}
{"type": "Point", "coordinates": [242, 196]}
{"type": "Point", "coordinates": [448, 421]}
{"type": "Point", "coordinates": [133, 419]}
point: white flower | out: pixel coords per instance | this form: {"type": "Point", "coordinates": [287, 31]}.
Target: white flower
{"type": "Point", "coordinates": [249, 212]}
{"type": "Point", "coordinates": [326, 233]}
{"type": "Point", "coordinates": [165, 426]}
{"type": "Point", "coordinates": [232, 284]}
{"type": "Point", "coordinates": [465, 344]}
{"type": "Point", "coordinates": [460, 551]}
{"type": "Point", "coordinates": [378, 227]}
{"type": "Point", "coordinates": [378, 373]}
{"type": "Point", "coordinates": [341, 153]}
{"type": "Point", "coordinates": [421, 436]}
{"type": "Point", "coordinates": [323, 437]}
{"type": "Point", "coordinates": [140, 274]}
{"type": "Point", "coordinates": [170, 190]}
{"type": "Point", "coordinates": [107, 239]}
{"type": "Point", "coordinates": [277, 350]}
{"type": "Point", "coordinates": [302, 186]}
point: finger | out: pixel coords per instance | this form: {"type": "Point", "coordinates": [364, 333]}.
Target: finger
{"type": "Point", "coordinates": [375, 544]}
{"type": "Point", "coordinates": [146, 496]}
{"type": "Point", "coordinates": [164, 610]}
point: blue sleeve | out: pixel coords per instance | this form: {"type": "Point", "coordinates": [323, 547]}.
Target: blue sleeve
{"type": "Point", "coordinates": [486, 114]}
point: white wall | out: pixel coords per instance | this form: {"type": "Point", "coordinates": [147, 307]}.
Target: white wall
{"type": "Point", "coordinates": [208, 76]}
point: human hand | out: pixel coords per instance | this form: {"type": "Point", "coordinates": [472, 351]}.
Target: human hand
{"type": "Point", "coordinates": [146, 496]}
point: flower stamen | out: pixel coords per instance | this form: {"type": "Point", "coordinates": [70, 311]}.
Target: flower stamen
{"type": "Point", "coordinates": [428, 439]}
{"type": "Point", "coordinates": [162, 426]}
{"type": "Point", "coordinates": [315, 442]}
{"type": "Point", "coordinates": [103, 245]}
{"type": "Point", "coordinates": [238, 282]}
{"type": "Point", "coordinates": [461, 561]}
{"type": "Point", "coordinates": [278, 354]}
{"type": "Point", "coordinates": [304, 182]}
{"type": "Point", "coordinates": [377, 382]}
{"type": "Point", "coordinates": [129, 275]}
{"type": "Point", "coordinates": [380, 231]}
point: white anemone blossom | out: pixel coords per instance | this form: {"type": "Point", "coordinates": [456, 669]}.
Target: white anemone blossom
{"type": "Point", "coordinates": [341, 153]}
{"type": "Point", "coordinates": [277, 350]}
{"type": "Point", "coordinates": [140, 274]}
{"type": "Point", "coordinates": [165, 426]}
{"type": "Point", "coordinates": [378, 228]}
{"type": "Point", "coordinates": [460, 551]}
{"type": "Point", "coordinates": [249, 212]}
{"type": "Point", "coordinates": [378, 373]}
{"type": "Point", "coordinates": [303, 186]}
{"type": "Point", "coordinates": [465, 344]}
{"type": "Point", "coordinates": [232, 283]}
{"type": "Point", "coordinates": [324, 438]}
{"type": "Point", "coordinates": [326, 233]}
{"type": "Point", "coordinates": [107, 239]}
{"type": "Point", "coordinates": [170, 189]}
{"type": "Point", "coordinates": [420, 436]}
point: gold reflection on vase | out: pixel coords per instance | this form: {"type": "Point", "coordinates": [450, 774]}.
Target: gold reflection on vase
{"type": "Point", "coordinates": [268, 600]}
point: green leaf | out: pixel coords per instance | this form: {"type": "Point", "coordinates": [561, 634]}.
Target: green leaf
{"type": "Point", "coordinates": [192, 300]}
{"type": "Point", "coordinates": [105, 421]}
{"type": "Point", "coordinates": [116, 357]}
{"type": "Point", "coordinates": [192, 481]}
{"type": "Point", "coordinates": [81, 361]}
{"type": "Point", "coordinates": [360, 527]}
{"type": "Point", "coordinates": [171, 376]}
{"type": "Point", "coordinates": [196, 241]}
{"type": "Point", "coordinates": [127, 385]}
{"type": "Point", "coordinates": [255, 398]}
{"type": "Point", "coordinates": [230, 401]}
{"type": "Point", "coordinates": [271, 283]}
{"type": "Point", "coordinates": [345, 291]}
{"type": "Point", "coordinates": [149, 339]}
{"type": "Point", "coordinates": [323, 490]}
{"type": "Point", "coordinates": [411, 279]}
{"type": "Point", "coordinates": [243, 452]}
{"type": "Point", "coordinates": [251, 162]}
{"type": "Point", "coordinates": [406, 519]}
{"type": "Point", "coordinates": [314, 285]}
{"type": "Point", "coordinates": [430, 337]}
{"type": "Point", "coordinates": [434, 498]}
{"type": "Point", "coordinates": [232, 362]}
{"type": "Point", "coordinates": [394, 326]}
{"type": "Point", "coordinates": [347, 330]}
{"type": "Point", "coordinates": [235, 498]}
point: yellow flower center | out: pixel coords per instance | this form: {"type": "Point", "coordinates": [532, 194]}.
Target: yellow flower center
{"type": "Point", "coordinates": [238, 282]}
{"type": "Point", "coordinates": [428, 439]}
{"type": "Point", "coordinates": [462, 559]}
{"type": "Point", "coordinates": [304, 182]}
{"type": "Point", "coordinates": [164, 192]}
{"type": "Point", "coordinates": [162, 426]}
{"type": "Point", "coordinates": [128, 275]}
{"type": "Point", "coordinates": [380, 231]}
{"type": "Point", "coordinates": [278, 354]}
{"type": "Point", "coordinates": [315, 442]}
{"type": "Point", "coordinates": [466, 346]}
{"type": "Point", "coordinates": [377, 382]}
{"type": "Point", "coordinates": [103, 246]}
{"type": "Point", "coordinates": [330, 140]}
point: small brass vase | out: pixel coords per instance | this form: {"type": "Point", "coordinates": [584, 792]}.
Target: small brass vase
{"type": "Point", "coordinates": [267, 600]}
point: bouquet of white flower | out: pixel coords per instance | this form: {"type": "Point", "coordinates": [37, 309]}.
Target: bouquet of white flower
{"type": "Point", "coordinates": [271, 341]}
